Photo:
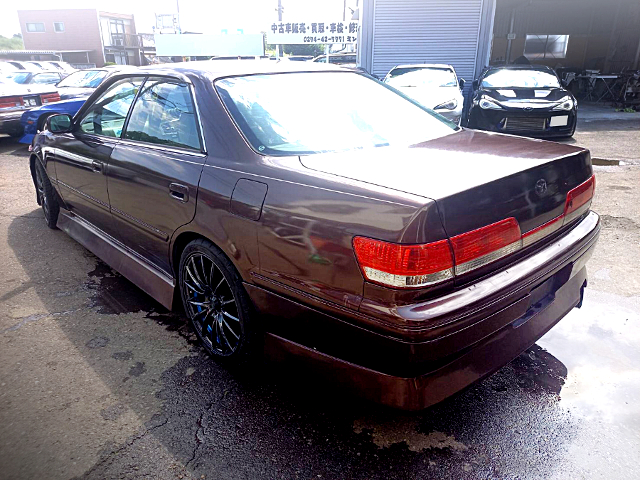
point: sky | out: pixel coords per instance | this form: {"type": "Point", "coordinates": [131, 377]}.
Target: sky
{"type": "Point", "coordinates": [253, 16]}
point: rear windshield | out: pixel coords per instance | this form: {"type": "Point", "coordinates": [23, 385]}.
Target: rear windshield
{"type": "Point", "coordinates": [84, 79]}
{"type": "Point", "coordinates": [520, 79]}
{"type": "Point", "coordinates": [421, 77]}
{"type": "Point", "coordinates": [345, 111]}
{"type": "Point", "coordinates": [19, 77]}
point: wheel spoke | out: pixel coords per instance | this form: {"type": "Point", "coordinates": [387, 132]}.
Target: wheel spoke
{"type": "Point", "coordinates": [227, 302]}
{"type": "Point", "coordinates": [228, 315]}
{"type": "Point", "coordinates": [213, 269]}
{"type": "Point", "coordinates": [222, 334]}
{"type": "Point", "coordinates": [198, 304]}
{"type": "Point", "coordinates": [218, 286]}
{"type": "Point", "coordinates": [195, 289]}
{"type": "Point", "coordinates": [197, 278]}
{"type": "Point", "coordinates": [186, 269]}
{"type": "Point", "coordinates": [237, 337]}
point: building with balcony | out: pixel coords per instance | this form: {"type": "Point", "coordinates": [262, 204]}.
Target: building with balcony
{"type": "Point", "coordinates": [82, 36]}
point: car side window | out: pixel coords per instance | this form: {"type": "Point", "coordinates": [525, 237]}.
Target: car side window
{"type": "Point", "coordinates": [164, 114]}
{"type": "Point", "coordinates": [108, 113]}
{"type": "Point", "coordinates": [46, 78]}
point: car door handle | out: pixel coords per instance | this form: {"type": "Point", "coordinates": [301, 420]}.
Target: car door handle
{"type": "Point", "coordinates": [179, 192]}
{"type": "Point", "coordinates": [97, 166]}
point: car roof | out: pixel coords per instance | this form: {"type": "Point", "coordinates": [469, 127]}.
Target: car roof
{"type": "Point", "coordinates": [229, 68]}
{"type": "Point", "coordinates": [519, 67]}
{"type": "Point", "coordinates": [424, 65]}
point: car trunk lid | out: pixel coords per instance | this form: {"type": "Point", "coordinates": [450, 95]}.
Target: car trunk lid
{"type": "Point", "coordinates": [476, 178]}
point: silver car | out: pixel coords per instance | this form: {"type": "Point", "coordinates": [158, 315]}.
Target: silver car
{"type": "Point", "coordinates": [434, 86]}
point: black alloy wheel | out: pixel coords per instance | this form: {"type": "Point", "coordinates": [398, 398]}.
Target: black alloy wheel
{"type": "Point", "coordinates": [215, 301]}
{"type": "Point", "coordinates": [46, 196]}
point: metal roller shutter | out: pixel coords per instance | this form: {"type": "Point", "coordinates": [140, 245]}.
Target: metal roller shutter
{"type": "Point", "coordinates": [426, 31]}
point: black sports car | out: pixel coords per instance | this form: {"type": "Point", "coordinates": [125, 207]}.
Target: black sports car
{"type": "Point", "coordinates": [523, 100]}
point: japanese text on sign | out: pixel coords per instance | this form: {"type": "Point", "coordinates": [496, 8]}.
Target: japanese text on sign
{"type": "Point", "coordinates": [313, 32]}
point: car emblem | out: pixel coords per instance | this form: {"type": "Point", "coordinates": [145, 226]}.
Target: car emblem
{"type": "Point", "coordinates": [541, 186]}
{"type": "Point", "coordinates": [528, 109]}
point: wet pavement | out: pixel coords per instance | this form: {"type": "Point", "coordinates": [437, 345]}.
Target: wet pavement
{"type": "Point", "coordinates": [99, 381]}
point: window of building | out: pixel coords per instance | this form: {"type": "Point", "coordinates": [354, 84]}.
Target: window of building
{"type": "Point", "coordinates": [35, 27]}
{"type": "Point", "coordinates": [546, 46]}
{"type": "Point", "coordinates": [58, 26]}
{"type": "Point", "coordinates": [164, 114]}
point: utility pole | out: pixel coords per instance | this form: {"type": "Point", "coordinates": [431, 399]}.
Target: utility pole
{"type": "Point", "coordinates": [279, 47]}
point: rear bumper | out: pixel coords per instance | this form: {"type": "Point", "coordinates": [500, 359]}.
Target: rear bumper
{"type": "Point", "coordinates": [466, 335]}
{"type": "Point", "coordinates": [10, 121]}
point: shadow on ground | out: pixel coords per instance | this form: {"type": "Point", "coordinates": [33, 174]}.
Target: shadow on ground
{"type": "Point", "coordinates": [269, 422]}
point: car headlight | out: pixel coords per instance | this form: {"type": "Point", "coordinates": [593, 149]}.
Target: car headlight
{"type": "Point", "coordinates": [488, 104]}
{"type": "Point", "coordinates": [449, 105]}
{"type": "Point", "coordinates": [566, 103]}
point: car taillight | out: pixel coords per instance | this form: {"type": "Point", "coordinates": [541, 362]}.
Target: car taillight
{"type": "Point", "coordinates": [398, 265]}
{"type": "Point", "coordinates": [50, 97]}
{"type": "Point", "coordinates": [576, 204]}
{"type": "Point", "coordinates": [485, 245]}
{"type": "Point", "coordinates": [578, 199]}
{"type": "Point", "coordinates": [10, 102]}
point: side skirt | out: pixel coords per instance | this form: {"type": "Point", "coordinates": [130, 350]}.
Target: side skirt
{"type": "Point", "coordinates": [156, 283]}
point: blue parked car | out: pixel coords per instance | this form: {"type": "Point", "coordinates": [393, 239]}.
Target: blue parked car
{"type": "Point", "coordinates": [33, 120]}
{"type": "Point", "coordinates": [73, 90]}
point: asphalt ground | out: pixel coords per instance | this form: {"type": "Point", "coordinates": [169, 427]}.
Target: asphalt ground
{"type": "Point", "coordinates": [99, 381]}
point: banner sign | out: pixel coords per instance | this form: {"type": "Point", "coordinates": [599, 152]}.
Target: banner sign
{"type": "Point", "coordinates": [285, 33]}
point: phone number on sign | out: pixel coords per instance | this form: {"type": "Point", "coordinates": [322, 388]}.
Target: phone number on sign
{"type": "Point", "coordinates": [334, 39]}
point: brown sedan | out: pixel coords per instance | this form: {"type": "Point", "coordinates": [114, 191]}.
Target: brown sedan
{"type": "Point", "coordinates": [320, 215]}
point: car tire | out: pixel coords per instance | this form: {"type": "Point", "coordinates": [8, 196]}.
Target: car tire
{"type": "Point", "coordinates": [216, 303]}
{"type": "Point", "coordinates": [16, 133]}
{"type": "Point", "coordinates": [47, 197]}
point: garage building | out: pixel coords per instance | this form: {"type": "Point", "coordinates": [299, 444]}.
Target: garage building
{"type": "Point", "coordinates": [471, 34]}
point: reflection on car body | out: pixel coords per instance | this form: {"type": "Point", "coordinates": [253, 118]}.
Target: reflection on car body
{"type": "Point", "coordinates": [401, 233]}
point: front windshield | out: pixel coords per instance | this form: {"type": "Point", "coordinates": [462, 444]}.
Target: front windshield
{"type": "Point", "coordinates": [19, 77]}
{"type": "Point", "coordinates": [421, 77]}
{"type": "Point", "coordinates": [507, 78]}
{"type": "Point", "coordinates": [84, 79]}
{"type": "Point", "coordinates": [345, 111]}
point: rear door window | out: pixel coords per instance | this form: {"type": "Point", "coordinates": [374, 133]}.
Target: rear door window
{"type": "Point", "coordinates": [164, 114]}
{"type": "Point", "coordinates": [108, 113]}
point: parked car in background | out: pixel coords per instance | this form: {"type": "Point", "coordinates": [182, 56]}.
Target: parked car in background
{"type": "Point", "coordinates": [15, 99]}
{"type": "Point", "coordinates": [434, 86]}
{"type": "Point", "coordinates": [73, 90]}
{"type": "Point", "coordinates": [27, 77]}
{"type": "Point", "coordinates": [400, 255]}
{"type": "Point", "coordinates": [33, 120]}
{"type": "Point", "coordinates": [343, 59]}
{"type": "Point", "coordinates": [82, 83]}
{"type": "Point", "coordinates": [524, 100]}
{"type": "Point", "coordinates": [63, 67]}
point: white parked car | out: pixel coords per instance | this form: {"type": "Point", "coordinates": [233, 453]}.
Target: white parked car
{"type": "Point", "coordinates": [15, 99]}
{"type": "Point", "coordinates": [434, 86]}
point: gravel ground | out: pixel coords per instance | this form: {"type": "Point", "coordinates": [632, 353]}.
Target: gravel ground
{"type": "Point", "coordinates": [99, 381]}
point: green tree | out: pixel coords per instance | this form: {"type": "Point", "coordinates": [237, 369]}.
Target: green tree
{"type": "Point", "coordinates": [14, 43]}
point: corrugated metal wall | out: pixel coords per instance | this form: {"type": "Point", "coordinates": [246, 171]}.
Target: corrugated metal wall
{"type": "Point", "coordinates": [426, 31]}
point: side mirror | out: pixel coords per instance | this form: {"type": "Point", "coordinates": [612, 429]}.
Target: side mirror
{"type": "Point", "coordinates": [475, 84]}
{"type": "Point", "coordinates": [461, 83]}
{"type": "Point", "coordinates": [59, 123]}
